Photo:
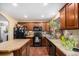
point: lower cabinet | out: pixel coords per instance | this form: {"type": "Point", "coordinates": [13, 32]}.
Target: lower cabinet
{"type": "Point", "coordinates": [52, 49]}
{"type": "Point", "coordinates": [23, 51]}
{"type": "Point", "coordinates": [20, 52]}
{"type": "Point", "coordinates": [59, 52]}
{"type": "Point", "coordinates": [31, 41]}
{"type": "Point", "coordinates": [45, 42]}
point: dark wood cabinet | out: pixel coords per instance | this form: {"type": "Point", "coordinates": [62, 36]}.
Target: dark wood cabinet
{"type": "Point", "coordinates": [59, 52]}
{"type": "Point", "coordinates": [30, 25]}
{"type": "Point", "coordinates": [31, 41]}
{"type": "Point", "coordinates": [62, 17]}
{"type": "Point", "coordinates": [50, 47]}
{"type": "Point", "coordinates": [69, 16]}
{"type": "Point", "coordinates": [29, 44]}
{"type": "Point", "coordinates": [24, 50]}
{"type": "Point", "coordinates": [44, 42]}
{"type": "Point", "coordinates": [54, 51]}
{"type": "Point", "coordinates": [21, 52]}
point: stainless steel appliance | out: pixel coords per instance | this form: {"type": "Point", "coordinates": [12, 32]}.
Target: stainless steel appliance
{"type": "Point", "coordinates": [37, 39]}
{"type": "Point", "coordinates": [3, 34]}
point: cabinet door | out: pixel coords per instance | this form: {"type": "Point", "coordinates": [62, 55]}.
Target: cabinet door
{"type": "Point", "coordinates": [47, 26]}
{"type": "Point", "coordinates": [52, 49]}
{"type": "Point", "coordinates": [44, 42]}
{"type": "Point", "coordinates": [59, 52]}
{"type": "Point", "coordinates": [62, 18]}
{"type": "Point", "coordinates": [72, 16]}
{"type": "Point", "coordinates": [23, 51]}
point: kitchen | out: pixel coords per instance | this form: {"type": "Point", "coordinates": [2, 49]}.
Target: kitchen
{"type": "Point", "coordinates": [55, 33]}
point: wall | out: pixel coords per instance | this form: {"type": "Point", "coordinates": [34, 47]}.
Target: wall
{"type": "Point", "coordinates": [12, 23]}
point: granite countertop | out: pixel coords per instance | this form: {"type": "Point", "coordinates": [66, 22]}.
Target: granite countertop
{"type": "Point", "coordinates": [29, 36]}
{"type": "Point", "coordinates": [12, 45]}
{"type": "Point", "coordinates": [59, 45]}
{"type": "Point", "coordinates": [67, 52]}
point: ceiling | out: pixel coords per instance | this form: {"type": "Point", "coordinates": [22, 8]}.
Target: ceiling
{"type": "Point", "coordinates": [31, 11]}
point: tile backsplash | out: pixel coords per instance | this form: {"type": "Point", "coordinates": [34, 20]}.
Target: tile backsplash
{"type": "Point", "coordinates": [75, 33]}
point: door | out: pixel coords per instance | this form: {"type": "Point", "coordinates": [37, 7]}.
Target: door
{"type": "Point", "coordinates": [72, 16]}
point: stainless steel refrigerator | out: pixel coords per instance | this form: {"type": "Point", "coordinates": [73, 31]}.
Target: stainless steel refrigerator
{"type": "Point", "coordinates": [3, 34]}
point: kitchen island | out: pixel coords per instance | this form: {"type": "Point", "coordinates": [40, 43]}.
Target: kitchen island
{"type": "Point", "coordinates": [16, 47]}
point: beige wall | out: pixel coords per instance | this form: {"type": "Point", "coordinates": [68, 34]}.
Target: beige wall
{"type": "Point", "coordinates": [12, 23]}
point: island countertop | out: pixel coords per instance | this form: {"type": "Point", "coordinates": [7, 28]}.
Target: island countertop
{"type": "Point", "coordinates": [10, 46]}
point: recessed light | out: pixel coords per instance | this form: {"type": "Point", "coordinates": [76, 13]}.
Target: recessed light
{"type": "Point", "coordinates": [42, 16]}
{"type": "Point", "coordinates": [25, 16]}
{"type": "Point", "coordinates": [15, 4]}
{"type": "Point", "coordinates": [45, 4]}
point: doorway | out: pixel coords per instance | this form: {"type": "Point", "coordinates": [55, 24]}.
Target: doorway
{"type": "Point", "coordinates": [3, 29]}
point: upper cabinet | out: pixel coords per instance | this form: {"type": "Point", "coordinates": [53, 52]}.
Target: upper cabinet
{"type": "Point", "coordinates": [62, 17]}
{"type": "Point", "coordinates": [30, 25]}
{"type": "Point", "coordinates": [71, 13]}
{"type": "Point", "coordinates": [69, 16]}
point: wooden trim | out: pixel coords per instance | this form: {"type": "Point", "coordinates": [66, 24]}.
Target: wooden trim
{"type": "Point", "coordinates": [63, 7]}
